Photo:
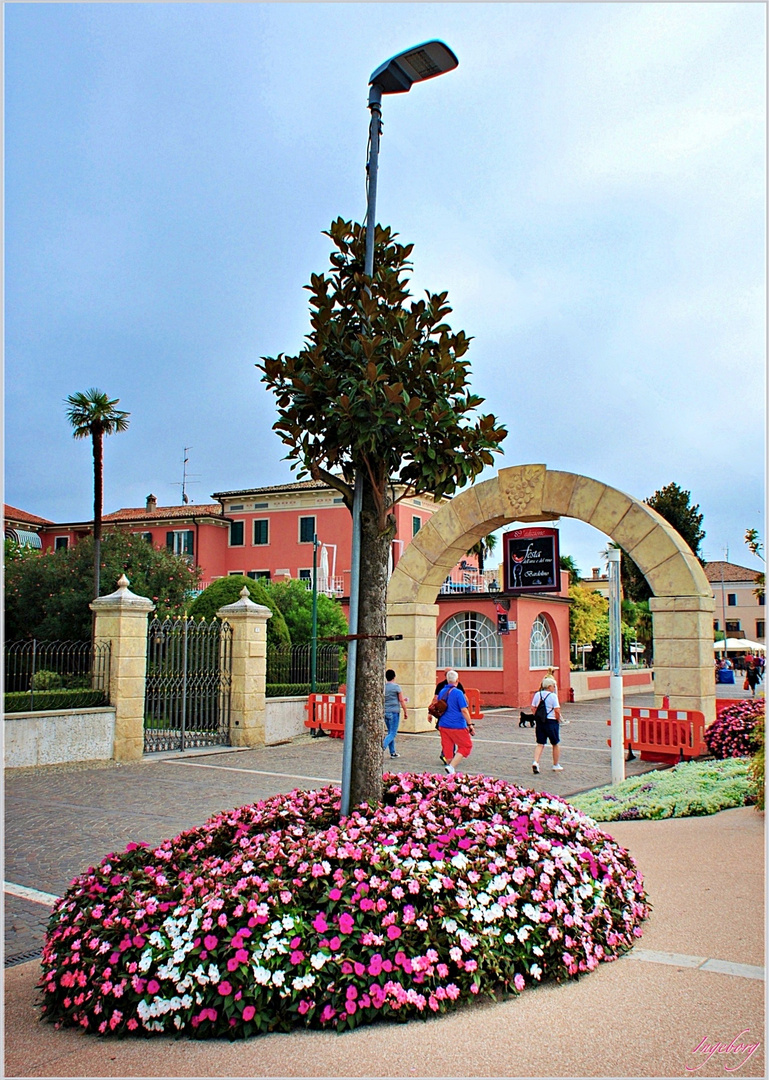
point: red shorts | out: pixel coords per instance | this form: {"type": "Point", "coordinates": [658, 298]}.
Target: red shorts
{"type": "Point", "coordinates": [459, 737]}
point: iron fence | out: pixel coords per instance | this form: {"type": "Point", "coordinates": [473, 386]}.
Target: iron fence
{"type": "Point", "coordinates": [189, 675]}
{"type": "Point", "coordinates": [54, 675]}
{"type": "Point", "coordinates": [289, 669]}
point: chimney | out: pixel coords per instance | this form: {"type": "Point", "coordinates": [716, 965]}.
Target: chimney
{"type": "Point", "coordinates": [152, 503]}
{"type": "Point", "coordinates": [596, 573]}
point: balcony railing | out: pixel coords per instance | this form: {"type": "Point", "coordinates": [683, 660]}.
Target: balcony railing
{"type": "Point", "coordinates": [470, 581]}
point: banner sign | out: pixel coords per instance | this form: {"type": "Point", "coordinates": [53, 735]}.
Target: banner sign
{"type": "Point", "coordinates": [531, 561]}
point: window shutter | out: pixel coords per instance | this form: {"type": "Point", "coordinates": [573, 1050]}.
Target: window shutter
{"type": "Point", "coordinates": [170, 540]}
{"type": "Point", "coordinates": [189, 542]}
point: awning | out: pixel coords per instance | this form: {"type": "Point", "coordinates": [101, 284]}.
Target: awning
{"type": "Point", "coordinates": [24, 539]}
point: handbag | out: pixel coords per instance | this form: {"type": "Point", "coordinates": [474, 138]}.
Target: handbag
{"type": "Point", "coordinates": [746, 684]}
{"type": "Point", "coordinates": [437, 708]}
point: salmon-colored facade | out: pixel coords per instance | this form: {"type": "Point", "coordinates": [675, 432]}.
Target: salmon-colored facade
{"type": "Point", "coordinates": [269, 532]}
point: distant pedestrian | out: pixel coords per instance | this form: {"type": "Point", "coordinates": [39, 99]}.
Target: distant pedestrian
{"type": "Point", "coordinates": [455, 725]}
{"type": "Point", "coordinates": [752, 678]}
{"type": "Point", "coordinates": [548, 729]}
{"type": "Point", "coordinates": [394, 700]}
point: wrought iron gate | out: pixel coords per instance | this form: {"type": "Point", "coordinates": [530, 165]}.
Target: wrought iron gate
{"type": "Point", "coordinates": [187, 697]}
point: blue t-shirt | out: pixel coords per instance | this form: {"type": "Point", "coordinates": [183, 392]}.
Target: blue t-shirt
{"type": "Point", "coordinates": [391, 702]}
{"type": "Point", "coordinates": [456, 701]}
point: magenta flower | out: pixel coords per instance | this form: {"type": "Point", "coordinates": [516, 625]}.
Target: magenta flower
{"type": "Point", "coordinates": [346, 923]}
{"type": "Point", "coordinates": [153, 986]}
{"type": "Point", "coordinates": [248, 1013]}
{"type": "Point", "coordinates": [224, 988]}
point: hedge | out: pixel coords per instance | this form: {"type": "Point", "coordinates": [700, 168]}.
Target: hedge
{"type": "Point", "coordinates": [54, 700]}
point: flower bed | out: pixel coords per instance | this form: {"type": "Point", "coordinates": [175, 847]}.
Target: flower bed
{"type": "Point", "coordinates": [690, 789]}
{"type": "Point", "coordinates": [732, 733]}
{"type": "Point", "coordinates": [274, 915]}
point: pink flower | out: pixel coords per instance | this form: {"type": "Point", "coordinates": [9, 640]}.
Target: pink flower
{"type": "Point", "coordinates": [248, 1013]}
{"type": "Point", "coordinates": [393, 932]}
{"type": "Point", "coordinates": [335, 894]}
{"type": "Point", "coordinates": [224, 988]}
{"type": "Point", "coordinates": [519, 982]}
{"type": "Point", "coordinates": [210, 942]}
{"type": "Point", "coordinates": [319, 922]}
{"type": "Point", "coordinates": [346, 923]}
{"type": "Point", "coordinates": [153, 986]}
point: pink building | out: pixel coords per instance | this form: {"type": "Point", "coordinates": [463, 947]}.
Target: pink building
{"type": "Point", "coordinates": [268, 532]}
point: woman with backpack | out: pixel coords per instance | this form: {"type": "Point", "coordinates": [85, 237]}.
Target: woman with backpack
{"type": "Point", "coordinates": [547, 716]}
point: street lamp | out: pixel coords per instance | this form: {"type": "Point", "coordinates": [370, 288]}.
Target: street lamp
{"type": "Point", "coordinates": [396, 76]}
{"type": "Point", "coordinates": [615, 666]}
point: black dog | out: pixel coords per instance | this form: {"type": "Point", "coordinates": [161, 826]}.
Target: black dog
{"type": "Point", "coordinates": [527, 720]}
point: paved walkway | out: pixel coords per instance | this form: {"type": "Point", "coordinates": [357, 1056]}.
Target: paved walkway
{"type": "Point", "coordinates": [696, 975]}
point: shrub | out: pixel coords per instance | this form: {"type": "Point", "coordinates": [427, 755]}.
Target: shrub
{"type": "Point", "coordinates": [757, 767]}
{"type": "Point", "coordinates": [54, 700]}
{"type": "Point", "coordinates": [690, 789]}
{"type": "Point", "coordinates": [732, 732]}
{"type": "Point", "coordinates": [277, 915]}
{"type": "Point", "coordinates": [226, 590]}
{"type": "Point", "coordinates": [46, 680]}
{"type": "Point", "coordinates": [299, 689]}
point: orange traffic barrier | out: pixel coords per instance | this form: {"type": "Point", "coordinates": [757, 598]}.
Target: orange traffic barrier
{"type": "Point", "coordinates": [326, 712]}
{"type": "Point", "coordinates": [474, 703]}
{"type": "Point", "coordinates": [665, 735]}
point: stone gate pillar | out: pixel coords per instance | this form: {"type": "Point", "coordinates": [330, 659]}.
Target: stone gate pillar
{"type": "Point", "coordinates": [249, 669]}
{"type": "Point", "coordinates": [413, 658]}
{"type": "Point", "coordinates": [121, 619]}
{"type": "Point", "coordinates": [683, 653]}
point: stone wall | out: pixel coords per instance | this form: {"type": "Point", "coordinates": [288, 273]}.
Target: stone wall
{"type": "Point", "coordinates": [53, 738]}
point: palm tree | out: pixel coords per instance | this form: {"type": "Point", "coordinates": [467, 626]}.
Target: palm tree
{"type": "Point", "coordinates": [484, 547]}
{"type": "Point", "coordinates": [93, 414]}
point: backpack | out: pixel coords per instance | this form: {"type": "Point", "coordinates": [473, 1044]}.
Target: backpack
{"type": "Point", "coordinates": [540, 713]}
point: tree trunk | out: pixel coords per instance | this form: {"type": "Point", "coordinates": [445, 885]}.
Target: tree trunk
{"type": "Point", "coordinates": [369, 729]}
{"type": "Point", "coordinates": [98, 500]}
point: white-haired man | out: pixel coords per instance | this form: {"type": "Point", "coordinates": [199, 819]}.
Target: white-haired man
{"type": "Point", "coordinates": [455, 726]}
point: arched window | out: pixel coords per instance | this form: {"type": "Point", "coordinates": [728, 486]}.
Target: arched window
{"type": "Point", "coordinates": [540, 644]}
{"type": "Point", "coordinates": [469, 640]}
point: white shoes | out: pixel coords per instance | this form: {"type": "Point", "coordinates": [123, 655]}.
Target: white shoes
{"type": "Point", "coordinates": [557, 768]}
{"type": "Point", "coordinates": [449, 769]}
{"type": "Point", "coordinates": [534, 767]}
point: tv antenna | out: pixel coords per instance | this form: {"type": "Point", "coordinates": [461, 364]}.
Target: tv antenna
{"type": "Point", "coordinates": [186, 478]}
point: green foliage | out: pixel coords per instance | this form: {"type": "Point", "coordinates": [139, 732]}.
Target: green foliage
{"type": "Point", "coordinates": [47, 594]}
{"type": "Point", "coordinates": [54, 700]}
{"type": "Point", "coordinates": [294, 601]}
{"type": "Point", "coordinates": [588, 612]}
{"type": "Point", "coordinates": [674, 505]}
{"type": "Point", "coordinates": [567, 563]}
{"type": "Point", "coordinates": [299, 689]}
{"type": "Point", "coordinates": [484, 547]}
{"type": "Point", "coordinates": [754, 542]}
{"type": "Point", "coordinates": [690, 789]}
{"type": "Point", "coordinates": [380, 384]}
{"type": "Point", "coordinates": [47, 680]}
{"type": "Point", "coordinates": [226, 590]}
{"type": "Point", "coordinates": [599, 657]}
{"type": "Point", "coordinates": [757, 767]}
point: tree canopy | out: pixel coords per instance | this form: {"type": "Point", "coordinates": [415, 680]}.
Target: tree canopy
{"type": "Point", "coordinates": [379, 392]}
{"type": "Point", "coordinates": [294, 601]}
{"type": "Point", "coordinates": [675, 506]}
{"type": "Point", "coordinates": [47, 595]}
{"type": "Point", "coordinates": [227, 590]}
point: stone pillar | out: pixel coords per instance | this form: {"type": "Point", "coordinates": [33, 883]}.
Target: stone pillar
{"type": "Point", "coordinates": [121, 619]}
{"type": "Point", "coordinates": [683, 653]}
{"type": "Point", "coordinates": [413, 658]}
{"type": "Point", "coordinates": [249, 669]}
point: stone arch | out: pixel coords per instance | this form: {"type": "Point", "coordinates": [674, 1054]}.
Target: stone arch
{"type": "Point", "coordinates": [682, 603]}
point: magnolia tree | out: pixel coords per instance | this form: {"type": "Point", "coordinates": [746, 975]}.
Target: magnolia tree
{"type": "Point", "coordinates": [380, 389]}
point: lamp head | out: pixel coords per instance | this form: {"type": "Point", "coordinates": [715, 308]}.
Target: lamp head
{"type": "Point", "coordinates": [416, 64]}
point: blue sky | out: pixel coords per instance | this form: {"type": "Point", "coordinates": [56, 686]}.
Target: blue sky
{"type": "Point", "coordinates": [588, 185]}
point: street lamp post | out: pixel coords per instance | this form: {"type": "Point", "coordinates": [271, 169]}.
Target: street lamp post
{"type": "Point", "coordinates": [395, 76]}
{"type": "Point", "coordinates": [615, 667]}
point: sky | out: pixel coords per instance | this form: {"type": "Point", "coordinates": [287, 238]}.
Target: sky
{"type": "Point", "coordinates": [588, 185]}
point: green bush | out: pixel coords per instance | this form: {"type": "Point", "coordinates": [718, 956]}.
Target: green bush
{"type": "Point", "coordinates": [689, 789]}
{"type": "Point", "coordinates": [298, 689]}
{"type": "Point", "coordinates": [47, 680]}
{"type": "Point", "coordinates": [226, 590]}
{"type": "Point", "coordinates": [54, 700]}
{"type": "Point", "coordinates": [757, 767]}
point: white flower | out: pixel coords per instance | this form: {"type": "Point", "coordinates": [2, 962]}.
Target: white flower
{"type": "Point", "coordinates": [522, 932]}
{"type": "Point", "coordinates": [435, 884]}
{"type": "Point", "coordinates": [449, 924]}
{"type": "Point", "coordinates": [509, 939]}
{"type": "Point", "coordinates": [145, 962]}
{"type": "Point", "coordinates": [459, 860]}
{"type": "Point", "coordinates": [288, 920]}
{"type": "Point", "coordinates": [261, 975]}
{"type": "Point", "coordinates": [483, 899]}
{"type": "Point", "coordinates": [455, 954]}
{"type": "Point", "coordinates": [318, 960]}
{"type": "Point", "coordinates": [213, 973]}
{"type": "Point", "coordinates": [496, 911]}
{"type": "Point", "coordinates": [537, 951]}
{"type": "Point", "coordinates": [278, 978]}
{"type": "Point", "coordinates": [536, 971]}
{"type": "Point", "coordinates": [422, 925]}
{"type": "Point", "coordinates": [531, 912]}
